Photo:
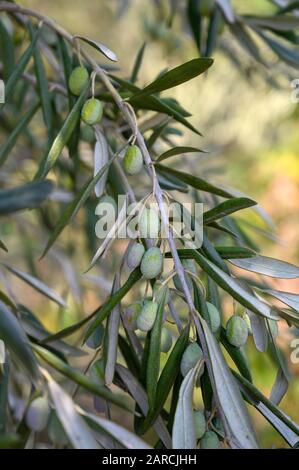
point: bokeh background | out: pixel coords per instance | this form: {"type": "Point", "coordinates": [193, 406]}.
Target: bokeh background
{"type": "Point", "coordinates": [250, 130]}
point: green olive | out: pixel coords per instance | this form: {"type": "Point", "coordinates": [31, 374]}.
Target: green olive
{"type": "Point", "coordinates": [199, 424]}
{"type": "Point", "coordinates": [146, 319]}
{"type": "Point", "coordinates": [192, 354]}
{"type": "Point", "coordinates": [133, 160]}
{"type": "Point", "coordinates": [214, 319]}
{"type": "Point", "coordinates": [92, 111]}
{"type": "Point", "coordinates": [135, 255]}
{"type": "Point", "coordinates": [78, 80]}
{"type": "Point", "coordinates": [166, 339]}
{"type": "Point", "coordinates": [152, 263]}
{"type": "Point", "coordinates": [37, 414]}
{"type": "Point", "coordinates": [131, 314]}
{"type": "Point", "coordinates": [149, 223]}
{"type": "Point", "coordinates": [237, 331]}
{"type": "Point", "coordinates": [210, 441]}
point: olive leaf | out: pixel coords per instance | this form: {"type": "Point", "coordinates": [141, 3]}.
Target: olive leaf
{"type": "Point", "coordinates": [226, 208]}
{"type": "Point", "coordinates": [74, 206]}
{"type": "Point", "coordinates": [112, 336]}
{"type": "Point", "coordinates": [14, 135]}
{"type": "Point", "coordinates": [36, 284]}
{"type": "Point", "coordinates": [99, 47]}
{"type": "Point", "coordinates": [16, 340]}
{"type": "Point", "coordinates": [62, 137]}
{"type": "Point", "coordinates": [178, 151]}
{"type": "Point", "coordinates": [79, 378]}
{"type": "Point", "coordinates": [27, 196]}
{"type": "Point", "coordinates": [176, 76]}
{"type": "Point", "coordinates": [153, 363]}
{"type": "Point", "coordinates": [140, 397]}
{"type": "Point", "coordinates": [193, 181]}
{"type": "Point", "coordinates": [227, 392]}
{"type": "Point", "coordinates": [183, 433]}
{"type": "Point", "coordinates": [79, 434]}
{"type": "Point", "coordinates": [268, 267]}
{"type": "Point", "coordinates": [117, 432]}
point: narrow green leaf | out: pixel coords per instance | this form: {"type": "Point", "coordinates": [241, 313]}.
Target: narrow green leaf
{"type": "Point", "coordinates": [257, 399]}
{"type": "Point", "coordinates": [106, 308]}
{"type": "Point", "coordinates": [245, 40]}
{"type": "Point", "coordinates": [112, 337]}
{"type": "Point", "coordinates": [7, 50]}
{"type": "Point", "coordinates": [4, 377]}
{"type": "Point", "coordinates": [137, 64]}
{"type": "Point", "coordinates": [227, 207]}
{"type": "Point", "coordinates": [37, 284]}
{"type": "Point", "coordinates": [268, 267]}
{"type": "Point", "coordinates": [28, 196]}
{"type": "Point", "coordinates": [99, 47]}
{"type": "Point", "coordinates": [231, 252]}
{"type": "Point", "coordinates": [18, 129]}
{"type": "Point", "coordinates": [178, 75]}
{"type": "Point", "coordinates": [73, 424]}
{"type": "Point", "coordinates": [3, 246]}
{"type": "Point", "coordinates": [193, 181]}
{"type": "Point", "coordinates": [68, 331]}
{"type": "Point", "coordinates": [153, 103]}
{"type": "Point", "coordinates": [43, 88]}
{"type": "Point", "coordinates": [230, 285]}
{"type": "Point", "coordinates": [16, 340]}
{"type": "Point", "coordinates": [74, 206]}
{"type": "Point", "coordinates": [62, 137]}
{"type": "Point", "coordinates": [178, 151]}
{"type": "Point", "coordinates": [241, 432]}
{"type": "Point", "coordinates": [79, 378]}
{"type": "Point", "coordinates": [139, 395]}
{"type": "Point", "coordinates": [167, 378]}
{"type": "Point", "coordinates": [183, 433]}
{"type": "Point", "coordinates": [153, 363]}
{"type": "Point", "coordinates": [288, 55]}
{"type": "Point", "coordinates": [18, 70]}
{"type": "Point", "coordinates": [288, 298]}
{"type": "Point", "coordinates": [195, 21]}
{"type": "Point", "coordinates": [117, 432]}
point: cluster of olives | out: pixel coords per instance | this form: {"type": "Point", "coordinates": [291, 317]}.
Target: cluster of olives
{"type": "Point", "coordinates": [92, 110]}
{"type": "Point", "coordinates": [142, 315]}
{"type": "Point", "coordinates": [208, 439]}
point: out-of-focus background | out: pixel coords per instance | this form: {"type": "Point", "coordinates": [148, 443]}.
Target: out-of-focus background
{"type": "Point", "coordinates": [250, 129]}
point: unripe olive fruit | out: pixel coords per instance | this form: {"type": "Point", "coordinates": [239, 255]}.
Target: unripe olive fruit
{"type": "Point", "coordinates": [192, 354]}
{"type": "Point", "coordinates": [149, 223]}
{"type": "Point", "coordinates": [135, 255]}
{"type": "Point", "coordinates": [210, 441]}
{"type": "Point", "coordinates": [37, 414]}
{"type": "Point", "coordinates": [131, 314]}
{"type": "Point", "coordinates": [152, 263]}
{"type": "Point", "coordinates": [146, 319]}
{"type": "Point", "coordinates": [133, 160]}
{"type": "Point", "coordinates": [158, 291]}
{"type": "Point", "coordinates": [199, 424]}
{"type": "Point", "coordinates": [87, 133]}
{"type": "Point", "coordinates": [206, 7]}
{"type": "Point", "coordinates": [78, 80]}
{"type": "Point", "coordinates": [189, 266]}
{"type": "Point", "coordinates": [237, 331]}
{"type": "Point", "coordinates": [56, 432]}
{"type": "Point", "coordinates": [214, 319]}
{"type": "Point", "coordinates": [166, 339]}
{"type": "Point", "coordinates": [92, 111]}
